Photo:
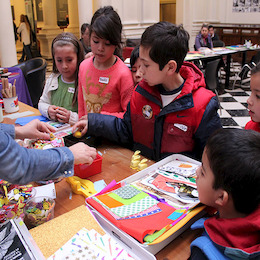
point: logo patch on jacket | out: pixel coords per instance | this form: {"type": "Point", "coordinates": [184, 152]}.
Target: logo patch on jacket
{"type": "Point", "coordinates": [147, 112]}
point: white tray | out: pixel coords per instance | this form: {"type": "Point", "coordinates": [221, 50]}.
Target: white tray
{"type": "Point", "coordinates": [134, 247]}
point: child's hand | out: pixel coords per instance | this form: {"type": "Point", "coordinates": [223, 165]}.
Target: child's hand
{"type": "Point", "coordinates": [81, 125]}
{"type": "Point", "coordinates": [52, 112]}
{"type": "Point", "coordinates": [62, 114]}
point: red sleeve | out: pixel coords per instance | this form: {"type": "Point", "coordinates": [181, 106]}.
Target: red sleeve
{"type": "Point", "coordinates": [82, 109]}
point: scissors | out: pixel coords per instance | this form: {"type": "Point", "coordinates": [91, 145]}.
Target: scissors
{"type": "Point", "coordinates": [81, 186]}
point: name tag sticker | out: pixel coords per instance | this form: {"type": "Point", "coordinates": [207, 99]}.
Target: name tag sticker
{"type": "Point", "coordinates": [104, 80]}
{"type": "Point", "coordinates": [71, 90]}
{"type": "Point", "coordinates": [184, 128]}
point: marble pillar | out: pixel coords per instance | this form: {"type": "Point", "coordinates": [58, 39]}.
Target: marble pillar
{"type": "Point", "coordinates": [85, 8]}
{"type": "Point", "coordinates": [8, 56]}
{"type": "Point", "coordinates": [50, 29]}
{"type": "Point", "coordinates": [73, 26]}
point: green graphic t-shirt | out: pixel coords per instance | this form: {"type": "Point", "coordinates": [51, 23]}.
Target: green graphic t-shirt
{"type": "Point", "coordinates": [63, 95]}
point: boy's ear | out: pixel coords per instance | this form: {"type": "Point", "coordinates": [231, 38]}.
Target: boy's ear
{"type": "Point", "coordinates": [172, 66]}
{"type": "Point", "coordinates": [222, 198]}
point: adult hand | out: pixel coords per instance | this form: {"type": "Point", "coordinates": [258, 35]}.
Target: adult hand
{"type": "Point", "coordinates": [52, 112]}
{"type": "Point", "coordinates": [34, 130]}
{"type": "Point", "coordinates": [81, 125]}
{"type": "Point", "coordinates": [83, 153]}
{"type": "Point", "coordinates": [62, 115]}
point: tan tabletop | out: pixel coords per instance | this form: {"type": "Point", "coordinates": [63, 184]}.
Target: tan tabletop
{"type": "Point", "coordinates": [115, 166]}
{"type": "Point", "coordinates": [22, 108]}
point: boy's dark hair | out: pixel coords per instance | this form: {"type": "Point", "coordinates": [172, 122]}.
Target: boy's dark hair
{"type": "Point", "coordinates": [234, 158]}
{"type": "Point", "coordinates": [210, 26]}
{"type": "Point", "coordinates": [134, 56]}
{"type": "Point", "coordinates": [106, 23]}
{"type": "Point", "coordinates": [83, 28]}
{"type": "Point", "coordinates": [167, 42]}
{"type": "Point", "coordinates": [67, 38]}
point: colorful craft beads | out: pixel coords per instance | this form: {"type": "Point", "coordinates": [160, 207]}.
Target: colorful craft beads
{"type": "Point", "coordinates": [13, 199]}
{"type": "Point", "coordinates": [39, 210]}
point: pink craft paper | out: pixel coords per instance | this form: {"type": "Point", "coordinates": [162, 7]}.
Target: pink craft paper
{"type": "Point", "coordinates": [107, 188]}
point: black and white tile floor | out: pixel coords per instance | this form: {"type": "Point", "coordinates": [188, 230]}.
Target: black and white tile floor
{"type": "Point", "coordinates": [233, 101]}
{"type": "Point", "coordinates": [233, 112]}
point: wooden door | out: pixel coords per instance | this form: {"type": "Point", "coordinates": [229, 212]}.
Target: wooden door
{"type": "Point", "coordinates": [168, 11]}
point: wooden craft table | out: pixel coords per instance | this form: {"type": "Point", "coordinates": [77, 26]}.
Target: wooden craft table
{"type": "Point", "coordinates": [22, 108]}
{"type": "Point", "coordinates": [115, 166]}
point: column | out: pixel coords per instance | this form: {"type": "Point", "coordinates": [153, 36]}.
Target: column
{"type": "Point", "coordinates": [49, 14]}
{"type": "Point", "coordinates": [50, 29]}
{"type": "Point", "coordinates": [73, 18]}
{"type": "Point", "coordinates": [85, 9]}
{"type": "Point", "coordinates": [8, 56]}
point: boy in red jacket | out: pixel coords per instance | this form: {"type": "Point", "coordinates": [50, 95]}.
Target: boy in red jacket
{"type": "Point", "coordinates": [229, 180]}
{"type": "Point", "coordinates": [170, 110]}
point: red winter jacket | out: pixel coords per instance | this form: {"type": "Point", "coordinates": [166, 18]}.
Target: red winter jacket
{"type": "Point", "coordinates": [236, 238]}
{"type": "Point", "coordinates": [173, 129]}
{"type": "Point", "coordinates": [183, 126]}
{"type": "Point", "coordinates": [253, 126]}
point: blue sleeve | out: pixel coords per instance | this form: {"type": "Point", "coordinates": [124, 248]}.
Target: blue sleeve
{"type": "Point", "coordinates": [209, 123]}
{"type": "Point", "coordinates": [20, 165]}
{"type": "Point", "coordinates": [8, 129]}
{"type": "Point", "coordinates": [111, 127]}
{"type": "Point", "coordinates": [204, 248]}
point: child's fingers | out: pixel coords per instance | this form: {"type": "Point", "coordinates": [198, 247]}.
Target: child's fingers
{"type": "Point", "coordinates": [84, 130]}
{"type": "Point", "coordinates": [61, 110]}
{"type": "Point", "coordinates": [53, 108]}
{"type": "Point", "coordinates": [79, 126]}
{"type": "Point", "coordinates": [63, 117]}
{"type": "Point", "coordinates": [65, 113]}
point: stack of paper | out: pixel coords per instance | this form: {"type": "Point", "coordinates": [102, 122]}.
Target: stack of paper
{"type": "Point", "coordinates": [91, 245]}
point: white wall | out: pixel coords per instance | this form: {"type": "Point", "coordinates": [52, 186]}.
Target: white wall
{"type": "Point", "coordinates": [136, 15]}
{"type": "Point", "coordinates": [245, 18]}
{"type": "Point", "coordinates": [192, 14]}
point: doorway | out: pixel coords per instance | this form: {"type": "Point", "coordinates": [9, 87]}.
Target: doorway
{"type": "Point", "coordinates": [168, 11]}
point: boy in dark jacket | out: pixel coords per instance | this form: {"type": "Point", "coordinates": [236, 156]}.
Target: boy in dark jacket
{"type": "Point", "coordinates": [229, 180]}
{"type": "Point", "coordinates": [170, 111]}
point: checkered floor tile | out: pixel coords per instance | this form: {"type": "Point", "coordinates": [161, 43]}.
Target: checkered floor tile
{"type": "Point", "coordinates": [233, 101]}
{"type": "Point", "coordinates": [233, 112]}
